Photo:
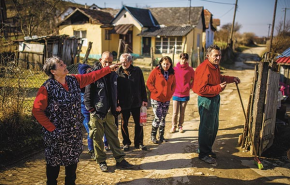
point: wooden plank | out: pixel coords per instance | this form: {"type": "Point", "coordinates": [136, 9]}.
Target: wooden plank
{"type": "Point", "coordinates": [245, 142]}
{"type": "Point", "coordinates": [30, 47]}
{"type": "Point", "coordinates": [269, 117]}
{"type": "Point", "coordinates": [259, 101]}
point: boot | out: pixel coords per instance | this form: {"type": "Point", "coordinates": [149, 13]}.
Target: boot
{"type": "Point", "coordinates": [161, 134]}
{"type": "Point", "coordinates": [153, 135]}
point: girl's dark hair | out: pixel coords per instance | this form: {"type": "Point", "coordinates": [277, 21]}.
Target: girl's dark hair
{"type": "Point", "coordinates": [170, 70]}
{"type": "Point", "coordinates": [183, 55]}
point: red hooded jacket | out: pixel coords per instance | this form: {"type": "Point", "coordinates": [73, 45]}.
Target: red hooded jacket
{"type": "Point", "coordinates": [161, 90]}
{"type": "Point", "coordinates": [207, 80]}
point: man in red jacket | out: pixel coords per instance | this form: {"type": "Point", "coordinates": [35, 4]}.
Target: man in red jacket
{"type": "Point", "coordinates": [208, 84]}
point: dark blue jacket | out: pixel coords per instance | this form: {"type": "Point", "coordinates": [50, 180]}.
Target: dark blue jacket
{"type": "Point", "coordinates": [101, 95]}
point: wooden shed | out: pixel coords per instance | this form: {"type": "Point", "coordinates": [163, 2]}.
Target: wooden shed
{"type": "Point", "coordinates": [33, 52]}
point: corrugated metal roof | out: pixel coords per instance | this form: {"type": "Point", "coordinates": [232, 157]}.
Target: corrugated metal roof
{"type": "Point", "coordinates": [286, 53]}
{"type": "Point", "coordinates": [167, 31]}
{"type": "Point", "coordinates": [121, 29]}
{"type": "Point", "coordinates": [283, 60]}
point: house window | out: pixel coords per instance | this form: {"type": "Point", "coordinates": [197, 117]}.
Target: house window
{"type": "Point", "coordinates": [107, 35]}
{"type": "Point", "coordinates": [83, 35]}
{"type": "Point", "coordinates": [166, 45]}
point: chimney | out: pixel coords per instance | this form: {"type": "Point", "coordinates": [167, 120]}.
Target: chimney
{"type": "Point", "coordinates": [85, 5]}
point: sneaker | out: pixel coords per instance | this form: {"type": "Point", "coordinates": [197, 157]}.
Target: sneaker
{"type": "Point", "coordinates": [142, 147]}
{"type": "Point", "coordinates": [173, 129]}
{"type": "Point", "coordinates": [123, 164]}
{"type": "Point", "coordinates": [126, 147]}
{"type": "Point", "coordinates": [107, 148]}
{"type": "Point", "coordinates": [103, 166]}
{"type": "Point", "coordinates": [208, 159]}
{"type": "Point", "coordinates": [92, 153]}
{"type": "Point", "coordinates": [180, 130]}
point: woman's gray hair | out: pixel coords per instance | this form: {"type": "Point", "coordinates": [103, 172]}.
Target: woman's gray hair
{"type": "Point", "coordinates": [127, 56]}
{"type": "Point", "coordinates": [212, 47]}
{"type": "Point", "coordinates": [50, 64]}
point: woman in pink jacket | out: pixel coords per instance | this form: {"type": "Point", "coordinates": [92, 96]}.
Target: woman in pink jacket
{"type": "Point", "coordinates": [184, 75]}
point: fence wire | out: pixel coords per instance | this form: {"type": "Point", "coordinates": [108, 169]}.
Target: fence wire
{"type": "Point", "coordinates": [19, 84]}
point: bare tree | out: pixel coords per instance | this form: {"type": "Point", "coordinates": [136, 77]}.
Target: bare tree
{"type": "Point", "coordinates": [229, 26]}
{"type": "Point", "coordinates": [36, 16]}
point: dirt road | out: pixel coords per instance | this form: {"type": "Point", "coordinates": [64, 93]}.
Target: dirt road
{"type": "Point", "coordinates": [176, 162]}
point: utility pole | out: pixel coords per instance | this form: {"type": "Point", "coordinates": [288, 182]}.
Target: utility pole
{"type": "Point", "coordinates": [230, 42]}
{"type": "Point", "coordinates": [269, 30]}
{"type": "Point", "coordinates": [285, 9]}
{"type": "Point", "coordinates": [273, 25]}
{"type": "Point", "coordinates": [189, 11]}
{"type": "Point", "coordinates": [105, 4]}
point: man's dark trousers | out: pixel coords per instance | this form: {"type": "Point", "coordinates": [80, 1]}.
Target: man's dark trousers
{"type": "Point", "coordinates": [209, 122]}
{"type": "Point", "coordinates": [138, 139]}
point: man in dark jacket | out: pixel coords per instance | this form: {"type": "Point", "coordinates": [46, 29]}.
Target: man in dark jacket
{"type": "Point", "coordinates": [132, 95]}
{"type": "Point", "coordinates": [101, 101]}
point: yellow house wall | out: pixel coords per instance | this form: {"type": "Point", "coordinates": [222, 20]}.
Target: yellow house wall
{"type": "Point", "coordinates": [129, 19]}
{"type": "Point", "coordinates": [94, 34]}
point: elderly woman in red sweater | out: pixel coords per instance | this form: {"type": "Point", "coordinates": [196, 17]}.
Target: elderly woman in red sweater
{"type": "Point", "coordinates": [57, 107]}
{"type": "Point", "coordinates": [161, 84]}
{"type": "Point", "coordinates": [184, 75]}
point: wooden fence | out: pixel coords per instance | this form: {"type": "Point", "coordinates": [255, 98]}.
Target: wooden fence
{"type": "Point", "coordinates": [262, 107]}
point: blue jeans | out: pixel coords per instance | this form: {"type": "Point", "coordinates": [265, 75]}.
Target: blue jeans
{"type": "Point", "coordinates": [86, 115]}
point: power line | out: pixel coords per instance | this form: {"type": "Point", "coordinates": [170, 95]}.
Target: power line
{"type": "Point", "coordinates": [218, 2]}
{"type": "Point", "coordinates": [226, 12]}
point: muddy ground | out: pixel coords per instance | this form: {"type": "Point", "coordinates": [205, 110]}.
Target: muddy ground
{"type": "Point", "coordinates": [176, 161]}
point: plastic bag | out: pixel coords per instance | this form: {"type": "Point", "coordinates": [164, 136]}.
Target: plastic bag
{"type": "Point", "coordinates": [143, 115]}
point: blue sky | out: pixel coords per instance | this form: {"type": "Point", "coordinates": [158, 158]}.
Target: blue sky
{"type": "Point", "coordinates": [254, 15]}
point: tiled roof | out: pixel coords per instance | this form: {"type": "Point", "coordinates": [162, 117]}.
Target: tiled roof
{"type": "Point", "coordinates": [178, 16]}
{"type": "Point", "coordinates": [98, 15]}
{"type": "Point", "coordinates": [208, 19]}
{"type": "Point", "coordinates": [143, 16]}
{"type": "Point", "coordinates": [167, 31]}
{"type": "Point", "coordinates": [216, 22]}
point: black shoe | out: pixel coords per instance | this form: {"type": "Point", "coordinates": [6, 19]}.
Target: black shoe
{"type": "Point", "coordinates": [126, 148]}
{"type": "Point", "coordinates": [208, 159]}
{"type": "Point", "coordinates": [162, 139]}
{"type": "Point", "coordinates": [103, 166]}
{"type": "Point", "coordinates": [123, 164]}
{"type": "Point", "coordinates": [92, 153]}
{"type": "Point", "coordinates": [142, 147]}
{"type": "Point", "coordinates": [213, 155]}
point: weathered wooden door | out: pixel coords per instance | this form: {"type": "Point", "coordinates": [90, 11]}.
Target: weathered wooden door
{"type": "Point", "coordinates": [146, 41]}
{"type": "Point", "coordinates": [270, 109]}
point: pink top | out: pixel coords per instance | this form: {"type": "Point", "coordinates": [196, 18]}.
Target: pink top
{"type": "Point", "coordinates": [184, 75]}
